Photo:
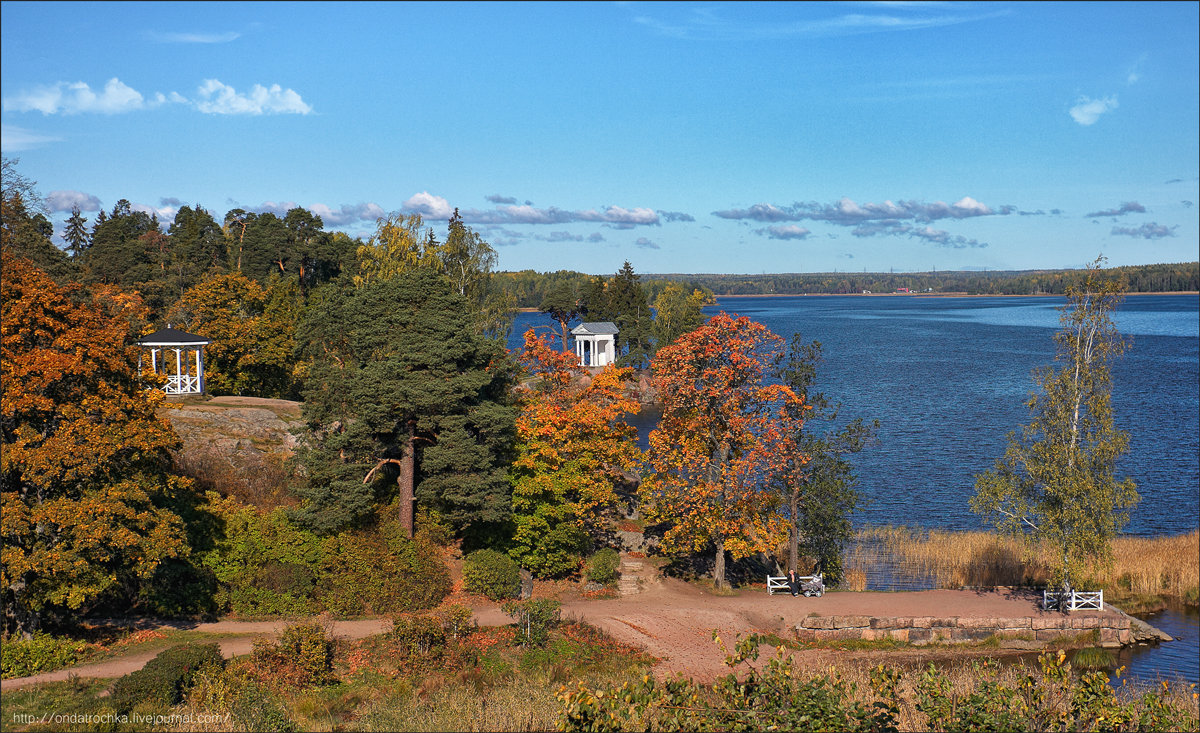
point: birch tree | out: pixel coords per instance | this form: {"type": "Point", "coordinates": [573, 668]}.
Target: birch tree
{"type": "Point", "coordinates": [1056, 484]}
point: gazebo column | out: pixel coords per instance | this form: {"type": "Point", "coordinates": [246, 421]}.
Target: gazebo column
{"type": "Point", "coordinates": [200, 370]}
{"type": "Point", "coordinates": [154, 360]}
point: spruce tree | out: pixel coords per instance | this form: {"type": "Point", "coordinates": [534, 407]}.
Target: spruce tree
{"type": "Point", "coordinates": [76, 234]}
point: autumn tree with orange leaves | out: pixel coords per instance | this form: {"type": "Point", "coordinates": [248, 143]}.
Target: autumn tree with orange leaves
{"type": "Point", "coordinates": [85, 487]}
{"type": "Point", "coordinates": [715, 449]}
{"type": "Point", "coordinates": [573, 449]}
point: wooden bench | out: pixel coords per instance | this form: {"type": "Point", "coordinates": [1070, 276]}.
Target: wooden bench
{"type": "Point", "coordinates": [779, 583]}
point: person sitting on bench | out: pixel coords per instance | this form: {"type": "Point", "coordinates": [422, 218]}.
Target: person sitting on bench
{"type": "Point", "coordinates": [793, 582]}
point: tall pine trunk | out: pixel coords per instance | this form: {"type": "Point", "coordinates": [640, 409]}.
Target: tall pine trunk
{"type": "Point", "coordinates": [406, 479]}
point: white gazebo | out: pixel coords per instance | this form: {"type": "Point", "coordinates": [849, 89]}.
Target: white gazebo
{"type": "Point", "coordinates": [187, 377]}
{"type": "Point", "coordinates": [595, 343]}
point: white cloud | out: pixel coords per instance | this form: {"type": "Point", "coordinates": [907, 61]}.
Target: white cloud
{"type": "Point", "coordinates": [14, 139]}
{"type": "Point", "coordinates": [1086, 110]}
{"type": "Point", "coordinates": [214, 97]}
{"type": "Point", "coordinates": [426, 204]}
{"type": "Point", "coordinates": [67, 200]}
{"type": "Point", "coordinates": [165, 214]}
{"type": "Point", "coordinates": [348, 213]}
{"type": "Point", "coordinates": [784, 231]}
{"type": "Point", "coordinates": [77, 97]}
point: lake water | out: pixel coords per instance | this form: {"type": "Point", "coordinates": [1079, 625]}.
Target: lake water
{"type": "Point", "coordinates": [947, 379]}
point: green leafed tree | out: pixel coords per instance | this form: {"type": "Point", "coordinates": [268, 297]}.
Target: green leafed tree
{"type": "Point", "coordinates": [815, 476]}
{"type": "Point", "coordinates": [404, 401]}
{"type": "Point", "coordinates": [676, 312]}
{"type": "Point", "coordinates": [24, 229]}
{"type": "Point", "coordinates": [1056, 484]}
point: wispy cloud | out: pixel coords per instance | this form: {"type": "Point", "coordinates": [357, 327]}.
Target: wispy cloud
{"type": "Point", "coordinates": [1134, 74]}
{"type": "Point", "coordinates": [498, 199]}
{"type": "Point", "coordinates": [708, 24]}
{"type": "Point", "coordinates": [193, 37]}
{"type": "Point", "coordinates": [675, 216]}
{"type": "Point", "coordinates": [846, 212]}
{"type": "Point", "coordinates": [1087, 110]}
{"type": "Point", "coordinates": [1128, 207]}
{"type": "Point", "coordinates": [645, 243]}
{"type": "Point", "coordinates": [617, 216]}
{"type": "Point", "coordinates": [1149, 230]}
{"type": "Point", "coordinates": [15, 139]}
{"type": "Point", "coordinates": [67, 200]}
{"type": "Point", "coordinates": [939, 237]}
{"type": "Point", "coordinates": [784, 231]}
{"type": "Point", "coordinates": [117, 97]}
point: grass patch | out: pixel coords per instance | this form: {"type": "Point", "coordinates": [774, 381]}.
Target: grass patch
{"type": "Point", "coordinates": [29, 708]}
{"type": "Point", "coordinates": [1092, 657]}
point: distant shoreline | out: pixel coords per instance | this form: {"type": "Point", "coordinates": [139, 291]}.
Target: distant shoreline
{"type": "Point", "coordinates": [934, 295]}
{"type": "Point", "coordinates": [910, 295]}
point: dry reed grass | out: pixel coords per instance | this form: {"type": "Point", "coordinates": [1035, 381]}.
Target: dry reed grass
{"type": "Point", "coordinates": [1167, 566]}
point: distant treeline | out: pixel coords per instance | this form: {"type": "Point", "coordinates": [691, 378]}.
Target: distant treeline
{"type": "Point", "coordinates": [1173, 277]}
{"type": "Point", "coordinates": [531, 288]}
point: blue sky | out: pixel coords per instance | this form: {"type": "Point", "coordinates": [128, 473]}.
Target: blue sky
{"type": "Point", "coordinates": [683, 137]}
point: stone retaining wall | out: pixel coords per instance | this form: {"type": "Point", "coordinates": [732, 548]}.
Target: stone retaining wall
{"type": "Point", "coordinates": [1111, 631]}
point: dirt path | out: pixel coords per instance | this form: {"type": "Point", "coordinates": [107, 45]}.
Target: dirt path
{"type": "Point", "coordinates": [670, 619]}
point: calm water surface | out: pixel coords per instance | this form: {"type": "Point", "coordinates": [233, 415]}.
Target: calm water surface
{"type": "Point", "coordinates": [947, 379]}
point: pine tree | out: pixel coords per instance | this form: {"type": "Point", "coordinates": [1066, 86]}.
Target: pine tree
{"type": "Point", "coordinates": [404, 400]}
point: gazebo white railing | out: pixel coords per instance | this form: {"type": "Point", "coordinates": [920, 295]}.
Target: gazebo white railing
{"type": "Point", "coordinates": [188, 374]}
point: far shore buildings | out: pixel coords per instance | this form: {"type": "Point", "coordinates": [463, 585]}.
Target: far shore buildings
{"type": "Point", "coordinates": [595, 343]}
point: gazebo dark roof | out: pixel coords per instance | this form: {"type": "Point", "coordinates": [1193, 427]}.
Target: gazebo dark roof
{"type": "Point", "coordinates": [172, 337]}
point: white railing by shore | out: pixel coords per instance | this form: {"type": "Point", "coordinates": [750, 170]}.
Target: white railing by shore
{"type": "Point", "coordinates": [1077, 601]}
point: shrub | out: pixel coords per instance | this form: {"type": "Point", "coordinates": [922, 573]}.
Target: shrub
{"type": "Point", "coordinates": [603, 567]}
{"type": "Point", "coordinates": [534, 618]}
{"type": "Point", "coordinates": [457, 621]}
{"type": "Point", "coordinates": [42, 653]}
{"type": "Point", "coordinates": [264, 565]}
{"type": "Point", "coordinates": [492, 574]}
{"type": "Point", "coordinates": [381, 572]}
{"type": "Point", "coordinates": [302, 657]}
{"type": "Point", "coordinates": [419, 636]}
{"type": "Point", "coordinates": [165, 678]}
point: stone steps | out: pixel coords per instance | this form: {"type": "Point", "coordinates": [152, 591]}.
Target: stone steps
{"type": "Point", "coordinates": [634, 576]}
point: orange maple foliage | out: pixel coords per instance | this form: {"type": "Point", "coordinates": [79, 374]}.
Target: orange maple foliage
{"type": "Point", "coordinates": [84, 455]}
{"type": "Point", "coordinates": [572, 447]}
{"type": "Point", "coordinates": [718, 443]}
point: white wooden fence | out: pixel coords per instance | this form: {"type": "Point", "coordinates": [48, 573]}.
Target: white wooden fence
{"type": "Point", "coordinates": [1077, 601]}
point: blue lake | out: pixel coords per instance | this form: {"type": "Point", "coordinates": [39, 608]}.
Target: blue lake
{"type": "Point", "coordinates": [947, 379]}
